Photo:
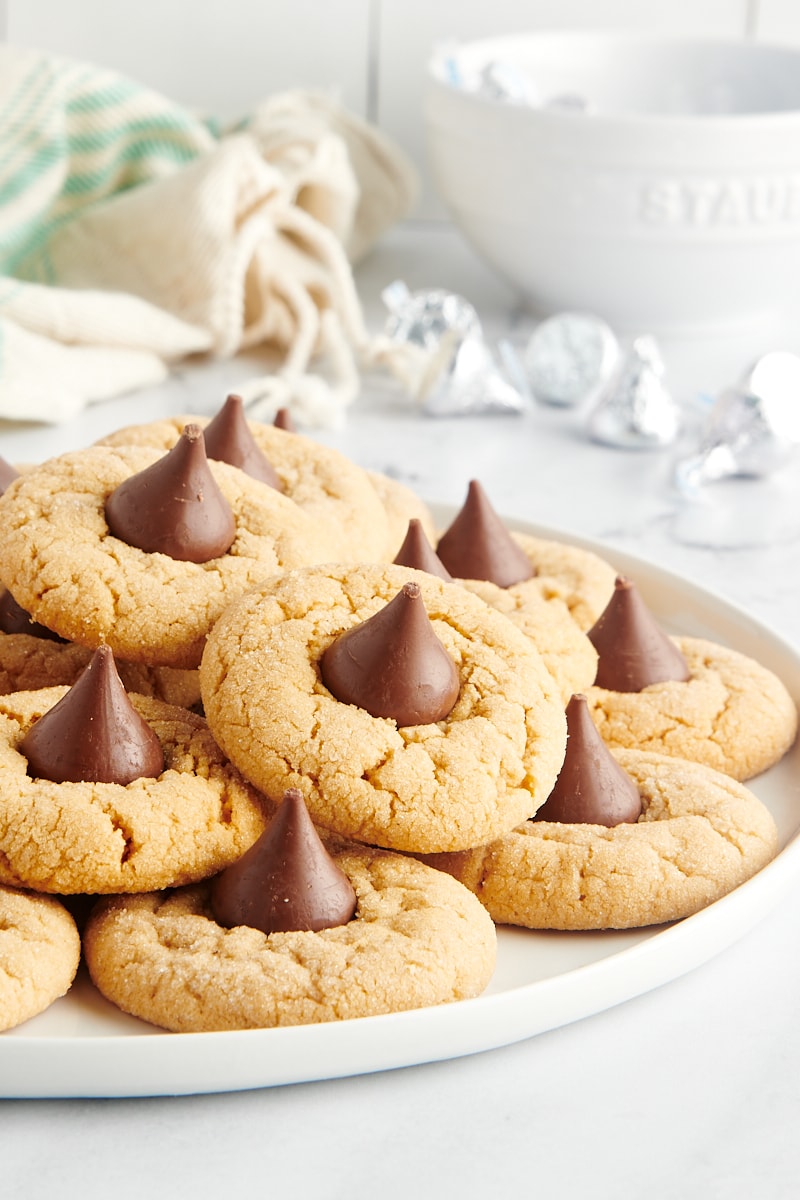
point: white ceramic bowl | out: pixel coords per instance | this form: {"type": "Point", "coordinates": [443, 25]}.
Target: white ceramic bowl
{"type": "Point", "coordinates": [671, 205]}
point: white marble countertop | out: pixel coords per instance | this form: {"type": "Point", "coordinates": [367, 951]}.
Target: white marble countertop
{"type": "Point", "coordinates": [691, 1090]}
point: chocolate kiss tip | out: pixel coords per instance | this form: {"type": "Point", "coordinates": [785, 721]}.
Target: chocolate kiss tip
{"type": "Point", "coordinates": [283, 420]}
{"type": "Point", "coordinates": [93, 734]}
{"type": "Point", "coordinates": [393, 664]}
{"type": "Point", "coordinates": [175, 506]}
{"type": "Point", "coordinates": [591, 788]}
{"type": "Point", "coordinates": [287, 881]}
{"type": "Point", "coordinates": [7, 474]}
{"type": "Point", "coordinates": [477, 544]}
{"type": "Point", "coordinates": [633, 650]}
{"type": "Point", "coordinates": [417, 552]}
{"type": "Point", "coordinates": [228, 439]}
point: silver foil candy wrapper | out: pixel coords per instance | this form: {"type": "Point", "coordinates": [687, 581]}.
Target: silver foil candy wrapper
{"type": "Point", "coordinates": [753, 428]}
{"type": "Point", "coordinates": [569, 359]}
{"type": "Point", "coordinates": [438, 350]}
{"type": "Point", "coordinates": [505, 81]}
{"type": "Point", "coordinates": [635, 410]}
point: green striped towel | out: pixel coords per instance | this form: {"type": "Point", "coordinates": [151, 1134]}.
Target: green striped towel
{"type": "Point", "coordinates": [133, 233]}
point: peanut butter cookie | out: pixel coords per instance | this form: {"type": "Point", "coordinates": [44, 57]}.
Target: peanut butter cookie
{"type": "Point", "coordinates": [197, 817]}
{"type": "Point", "coordinates": [700, 835]}
{"type": "Point", "coordinates": [63, 565]}
{"type": "Point", "coordinates": [731, 714]}
{"type": "Point", "coordinates": [418, 938]}
{"type": "Point", "coordinates": [39, 953]}
{"type": "Point", "coordinates": [446, 785]}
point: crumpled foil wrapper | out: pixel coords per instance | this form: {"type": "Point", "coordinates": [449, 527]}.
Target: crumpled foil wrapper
{"type": "Point", "coordinates": [433, 342]}
{"type": "Point", "coordinates": [636, 410]}
{"type": "Point", "coordinates": [753, 428]}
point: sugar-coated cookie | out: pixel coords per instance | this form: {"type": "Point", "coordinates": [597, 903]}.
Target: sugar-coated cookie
{"type": "Point", "coordinates": [198, 816]}
{"type": "Point", "coordinates": [331, 489]}
{"type": "Point", "coordinates": [418, 938]}
{"type": "Point", "coordinates": [701, 834]}
{"type": "Point", "coordinates": [447, 785]}
{"type": "Point", "coordinates": [580, 578]}
{"type": "Point", "coordinates": [566, 651]}
{"type": "Point", "coordinates": [732, 714]}
{"type": "Point", "coordinates": [64, 567]}
{"type": "Point", "coordinates": [39, 953]}
{"type": "Point", "coordinates": [401, 505]}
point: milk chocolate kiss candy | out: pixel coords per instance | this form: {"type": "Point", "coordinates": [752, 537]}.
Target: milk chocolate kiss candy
{"type": "Point", "coordinates": [633, 649]}
{"type": "Point", "coordinates": [417, 552]}
{"type": "Point", "coordinates": [283, 420]}
{"type": "Point", "coordinates": [393, 664]}
{"type": "Point", "coordinates": [477, 544]}
{"type": "Point", "coordinates": [286, 881]}
{"type": "Point", "coordinates": [15, 619]}
{"type": "Point", "coordinates": [175, 506]}
{"type": "Point", "coordinates": [228, 439]}
{"type": "Point", "coordinates": [7, 474]}
{"type": "Point", "coordinates": [93, 734]}
{"type": "Point", "coordinates": [591, 788]}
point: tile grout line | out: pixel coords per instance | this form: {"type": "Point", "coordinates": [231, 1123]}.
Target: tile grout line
{"type": "Point", "coordinates": [373, 54]}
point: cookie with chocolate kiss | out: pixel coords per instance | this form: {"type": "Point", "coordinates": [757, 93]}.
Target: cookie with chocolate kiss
{"type": "Point", "coordinates": [287, 881]}
{"type": "Point", "coordinates": [393, 664]}
{"type": "Point", "coordinates": [633, 650]}
{"type": "Point", "coordinates": [228, 439]}
{"type": "Point", "coordinates": [417, 552]}
{"type": "Point", "coordinates": [592, 788]}
{"type": "Point", "coordinates": [174, 507]}
{"type": "Point", "coordinates": [477, 545]}
{"type": "Point", "coordinates": [93, 734]}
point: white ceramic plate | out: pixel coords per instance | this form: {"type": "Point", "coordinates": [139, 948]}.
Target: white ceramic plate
{"type": "Point", "coordinates": [82, 1046]}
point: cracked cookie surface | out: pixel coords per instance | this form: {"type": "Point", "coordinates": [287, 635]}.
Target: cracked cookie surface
{"type": "Point", "coordinates": [63, 566]}
{"type": "Point", "coordinates": [580, 578]}
{"type": "Point", "coordinates": [732, 714]}
{"type": "Point", "coordinates": [39, 953]}
{"type": "Point", "coordinates": [325, 484]}
{"type": "Point", "coordinates": [197, 817]}
{"type": "Point", "coordinates": [566, 651]}
{"type": "Point", "coordinates": [445, 786]}
{"type": "Point", "coordinates": [418, 938]}
{"type": "Point", "coordinates": [700, 835]}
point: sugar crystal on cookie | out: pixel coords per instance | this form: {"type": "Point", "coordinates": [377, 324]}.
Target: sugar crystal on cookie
{"type": "Point", "coordinates": [93, 733]}
{"type": "Point", "coordinates": [393, 664]}
{"type": "Point", "coordinates": [286, 881]}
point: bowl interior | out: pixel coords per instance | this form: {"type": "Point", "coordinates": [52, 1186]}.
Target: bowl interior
{"type": "Point", "coordinates": [641, 75]}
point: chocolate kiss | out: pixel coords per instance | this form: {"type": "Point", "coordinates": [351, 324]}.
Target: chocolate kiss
{"type": "Point", "coordinates": [7, 474]}
{"type": "Point", "coordinates": [477, 544]}
{"type": "Point", "coordinates": [228, 439]}
{"type": "Point", "coordinates": [15, 619]}
{"type": "Point", "coordinates": [94, 733]}
{"type": "Point", "coordinates": [592, 788]}
{"type": "Point", "coordinates": [633, 649]}
{"type": "Point", "coordinates": [286, 881]}
{"type": "Point", "coordinates": [283, 420]}
{"type": "Point", "coordinates": [175, 506]}
{"type": "Point", "coordinates": [416, 551]}
{"type": "Point", "coordinates": [393, 665]}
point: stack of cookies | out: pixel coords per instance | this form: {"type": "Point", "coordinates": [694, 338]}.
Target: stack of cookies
{"type": "Point", "coordinates": [305, 760]}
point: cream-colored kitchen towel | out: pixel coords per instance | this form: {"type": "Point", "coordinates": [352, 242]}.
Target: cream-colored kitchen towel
{"type": "Point", "coordinates": [131, 236]}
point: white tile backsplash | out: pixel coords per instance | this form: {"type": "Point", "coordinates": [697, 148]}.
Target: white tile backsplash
{"type": "Point", "coordinates": [221, 56]}
{"type": "Point", "coordinates": [218, 56]}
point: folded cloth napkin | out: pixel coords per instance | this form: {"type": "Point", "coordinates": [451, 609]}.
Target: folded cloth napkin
{"type": "Point", "coordinates": [133, 234]}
